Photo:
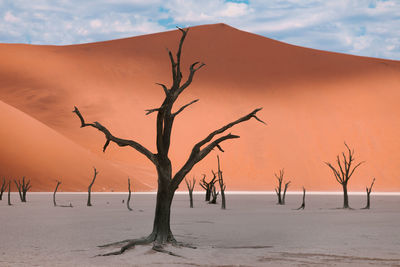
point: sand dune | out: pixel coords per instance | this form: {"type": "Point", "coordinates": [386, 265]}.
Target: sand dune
{"type": "Point", "coordinates": [313, 101]}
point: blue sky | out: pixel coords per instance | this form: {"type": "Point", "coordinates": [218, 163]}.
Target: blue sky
{"type": "Point", "coordinates": [360, 27]}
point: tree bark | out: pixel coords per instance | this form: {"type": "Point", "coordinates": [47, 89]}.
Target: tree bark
{"type": "Point", "coordinates": [9, 193]}
{"type": "Point", "coordinates": [129, 195]}
{"type": "Point", "coordinates": [54, 194]}
{"type": "Point", "coordinates": [89, 203]}
{"type": "Point", "coordinates": [2, 188]}
{"type": "Point", "coordinates": [161, 227]}
{"type": "Point", "coordinates": [345, 197]}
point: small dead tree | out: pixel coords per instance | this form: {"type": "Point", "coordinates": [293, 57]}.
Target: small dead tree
{"type": "Point", "coordinates": [278, 189]}
{"type": "Point", "coordinates": [214, 195]}
{"type": "Point", "coordinates": [2, 188]}
{"type": "Point", "coordinates": [368, 193]}
{"type": "Point", "coordinates": [23, 188]}
{"type": "Point", "coordinates": [344, 171]}
{"type": "Point", "coordinates": [190, 186]}
{"type": "Point", "coordinates": [207, 186]}
{"type": "Point", "coordinates": [9, 193]}
{"type": "Point", "coordinates": [54, 194]}
{"type": "Point", "coordinates": [303, 205]}
{"type": "Point", "coordinates": [129, 195]}
{"type": "Point", "coordinates": [89, 203]}
{"type": "Point", "coordinates": [222, 186]}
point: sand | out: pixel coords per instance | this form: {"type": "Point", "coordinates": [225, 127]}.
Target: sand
{"type": "Point", "coordinates": [253, 231]}
{"type": "Point", "coordinates": [313, 101]}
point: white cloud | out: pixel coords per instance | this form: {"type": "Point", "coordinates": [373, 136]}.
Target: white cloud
{"type": "Point", "coordinates": [9, 17]}
{"type": "Point", "coordinates": [363, 27]}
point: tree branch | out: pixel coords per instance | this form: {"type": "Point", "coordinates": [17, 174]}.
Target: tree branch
{"type": "Point", "coordinates": [166, 91]}
{"type": "Point", "coordinates": [198, 154]}
{"type": "Point", "coordinates": [183, 107]}
{"type": "Point", "coordinates": [116, 140]}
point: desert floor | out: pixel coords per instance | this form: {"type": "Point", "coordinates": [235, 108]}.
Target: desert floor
{"type": "Point", "coordinates": [253, 231]}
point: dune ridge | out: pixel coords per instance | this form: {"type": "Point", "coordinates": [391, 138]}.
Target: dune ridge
{"type": "Point", "coordinates": [313, 101]}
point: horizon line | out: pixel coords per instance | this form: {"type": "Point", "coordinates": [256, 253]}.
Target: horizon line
{"type": "Point", "coordinates": [359, 193]}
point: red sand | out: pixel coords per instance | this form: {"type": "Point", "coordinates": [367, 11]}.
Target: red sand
{"type": "Point", "coordinates": [313, 101]}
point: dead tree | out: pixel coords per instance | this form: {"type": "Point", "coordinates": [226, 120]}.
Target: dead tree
{"type": "Point", "coordinates": [368, 193]}
{"type": "Point", "coordinates": [54, 194]}
{"type": "Point", "coordinates": [2, 188]}
{"type": "Point", "coordinates": [278, 189]}
{"type": "Point", "coordinates": [284, 193]}
{"type": "Point", "coordinates": [214, 195]}
{"type": "Point", "coordinates": [344, 171]}
{"type": "Point", "coordinates": [222, 186]}
{"type": "Point", "coordinates": [207, 186]}
{"type": "Point", "coordinates": [303, 205]}
{"type": "Point", "coordinates": [89, 203]}
{"type": "Point", "coordinates": [23, 188]}
{"type": "Point", "coordinates": [9, 193]}
{"type": "Point", "coordinates": [167, 181]}
{"type": "Point", "coordinates": [129, 195]}
{"type": "Point", "coordinates": [190, 186]}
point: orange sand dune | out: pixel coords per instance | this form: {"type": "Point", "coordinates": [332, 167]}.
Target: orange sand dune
{"type": "Point", "coordinates": [313, 101]}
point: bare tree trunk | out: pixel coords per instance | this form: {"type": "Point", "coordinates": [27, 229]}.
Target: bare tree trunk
{"type": "Point", "coordinates": [284, 193]}
{"type": "Point", "coordinates": [54, 194]}
{"type": "Point", "coordinates": [221, 185]}
{"type": "Point", "coordinates": [9, 193]}
{"type": "Point", "coordinates": [190, 186]}
{"type": "Point", "coordinates": [161, 228]}
{"type": "Point", "coordinates": [129, 195]}
{"type": "Point", "coordinates": [89, 203]}
{"type": "Point", "coordinates": [214, 195]}
{"type": "Point", "coordinates": [22, 188]}
{"type": "Point", "coordinates": [303, 205]}
{"type": "Point", "coordinates": [368, 194]}
{"type": "Point", "coordinates": [345, 197]}
{"type": "Point", "coordinates": [2, 188]}
{"type": "Point", "coordinates": [207, 186]}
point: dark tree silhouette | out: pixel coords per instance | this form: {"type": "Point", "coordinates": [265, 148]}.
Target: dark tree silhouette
{"type": "Point", "coordinates": [23, 187]}
{"type": "Point", "coordinates": [207, 186]}
{"type": "Point", "coordinates": [344, 171]}
{"type": "Point", "coordinates": [2, 188]}
{"type": "Point", "coordinates": [89, 203]}
{"type": "Point", "coordinates": [54, 194]}
{"type": "Point", "coordinates": [214, 195]}
{"type": "Point", "coordinates": [368, 193]}
{"type": "Point", "coordinates": [222, 186]}
{"type": "Point", "coordinates": [129, 195]}
{"type": "Point", "coordinates": [167, 181]}
{"type": "Point", "coordinates": [278, 189]}
{"type": "Point", "coordinates": [190, 185]}
{"type": "Point", "coordinates": [9, 193]}
{"type": "Point", "coordinates": [303, 205]}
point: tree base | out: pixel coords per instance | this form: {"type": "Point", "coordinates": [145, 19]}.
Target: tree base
{"type": "Point", "coordinates": [158, 245]}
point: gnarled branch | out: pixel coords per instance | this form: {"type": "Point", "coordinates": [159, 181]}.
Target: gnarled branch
{"type": "Point", "coordinates": [116, 140]}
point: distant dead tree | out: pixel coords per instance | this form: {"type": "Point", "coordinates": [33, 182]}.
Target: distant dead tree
{"type": "Point", "coordinates": [207, 186]}
{"type": "Point", "coordinates": [303, 205]}
{"type": "Point", "coordinates": [169, 181]}
{"type": "Point", "coordinates": [2, 188]}
{"type": "Point", "coordinates": [129, 195]}
{"type": "Point", "coordinates": [278, 189]}
{"type": "Point", "coordinates": [368, 193]}
{"type": "Point", "coordinates": [9, 193]}
{"type": "Point", "coordinates": [214, 195]}
{"type": "Point", "coordinates": [222, 186]}
{"type": "Point", "coordinates": [344, 171]}
{"type": "Point", "coordinates": [190, 185]}
{"type": "Point", "coordinates": [89, 203]}
{"type": "Point", "coordinates": [54, 194]}
{"type": "Point", "coordinates": [23, 188]}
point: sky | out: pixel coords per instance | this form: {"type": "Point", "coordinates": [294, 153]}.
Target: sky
{"type": "Point", "coordinates": [360, 27]}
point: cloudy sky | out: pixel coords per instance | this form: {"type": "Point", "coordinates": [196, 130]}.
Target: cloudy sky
{"type": "Point", "coordinates": [360, 27]}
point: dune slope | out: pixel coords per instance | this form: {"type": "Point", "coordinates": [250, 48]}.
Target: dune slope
{"type": "Point", "coordinates": [313, 101]}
